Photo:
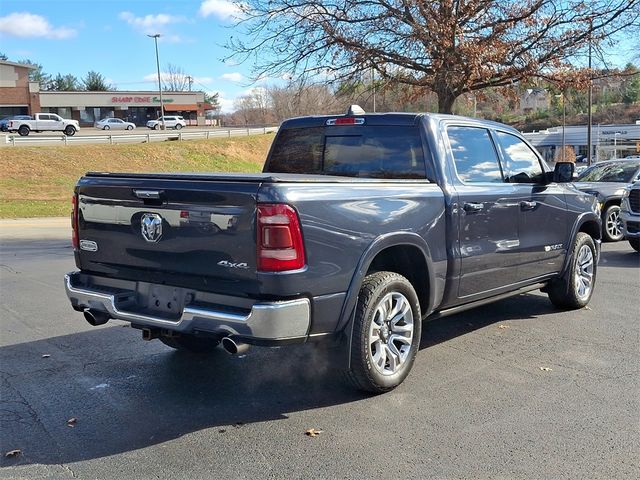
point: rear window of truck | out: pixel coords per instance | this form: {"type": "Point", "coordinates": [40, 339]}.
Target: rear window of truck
{"type": "Point", "coordinates": [358, 151]}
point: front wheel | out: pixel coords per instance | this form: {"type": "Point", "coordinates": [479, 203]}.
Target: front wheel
{"type": "Point", "coordinates": [612, 225]}
{"type": "Point", "coordinates": [23, 131]}
{"type": "Point", "coordinates": [635, 243]}
{"type": "Point", "coordinates": [178, 126]}
{"type": "Point", "coordinates": [70, 130]}
{"type": "Point", "coordinates": [386, 332]}
{"type": "Point", "coordinates": [575, 288]}
{"type": "Point", "coordinates": [191, 343]}
{"type": "Point", "coordinates": [156, 126]}
{"type": "Point", "coordinates": [129, 127]}
{"type": "Point", "coordinates": [106, 127]}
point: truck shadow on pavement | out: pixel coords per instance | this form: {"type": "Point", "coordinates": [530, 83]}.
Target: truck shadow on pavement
{"type": "Point", "coordinates": [620, 258]}
{"type": "Point", "coordinates": [126, 394]}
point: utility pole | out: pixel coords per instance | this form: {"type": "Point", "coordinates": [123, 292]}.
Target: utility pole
{"type": "Point", "coordinates": [590, 113]}
{"type": "Point", "coordinates": [190, 80]}
{"type": "Point", "coordinates": [373, 85]}
{"type": "Point", "coordinates": [155, 38]}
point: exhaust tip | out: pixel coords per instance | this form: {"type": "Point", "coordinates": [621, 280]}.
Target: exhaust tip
{"type": "Point", "coordinates": [95, 318]}
{"type": "Point", "coordinates": [234, 347]}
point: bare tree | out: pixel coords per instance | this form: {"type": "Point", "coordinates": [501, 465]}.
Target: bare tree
{"type": "Point", "coordinates": [298, 98]}
{"type": "Point", "coordinates": [449, 47]}
{"type": "Point", "coordinates": [174, 79]}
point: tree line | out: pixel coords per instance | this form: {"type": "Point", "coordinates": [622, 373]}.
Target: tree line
{"type": "Point", "coordinates": [619, 88]}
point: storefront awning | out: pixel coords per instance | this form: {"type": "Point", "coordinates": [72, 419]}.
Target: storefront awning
{"type": "Point", "coordinates": [170, 107]}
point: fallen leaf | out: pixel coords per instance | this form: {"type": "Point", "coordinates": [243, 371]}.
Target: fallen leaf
{"type": "Point", "coordinates": [503, 326]}
{"type": "Point", "coordinates": [13, 453]}
{"type": "Point", "coordinates": [46, 355]}
{"type": "Point", "coordinates": [313, 432]}
{"type": "Point", "coordinates": [546, 369]}
{"type": "Point", "coordinates": [72, 422]}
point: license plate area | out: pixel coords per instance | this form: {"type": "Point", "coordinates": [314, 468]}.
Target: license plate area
{"type": "Point", "coordinates": [169, 301]}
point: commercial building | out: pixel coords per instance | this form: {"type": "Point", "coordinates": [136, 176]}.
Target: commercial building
{"type": "Point", "coordinates": [18, 96]}
{"type": "Point", "coordinates": [137, 107]}
{"type": "Point", "coordinates": [608, 141]}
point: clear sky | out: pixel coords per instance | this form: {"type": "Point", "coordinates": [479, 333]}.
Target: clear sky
{"type": "Point", "coordinates": [109, 36]}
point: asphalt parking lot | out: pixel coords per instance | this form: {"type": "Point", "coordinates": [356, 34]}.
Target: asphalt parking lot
{"type": "Point", "coordinates": [511, 390]}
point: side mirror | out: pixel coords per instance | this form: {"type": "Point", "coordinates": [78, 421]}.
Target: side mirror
{"type": "Point", "coordinates": [563, 172]}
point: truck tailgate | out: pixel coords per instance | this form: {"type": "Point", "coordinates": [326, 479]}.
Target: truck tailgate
{"type": "Point", "coordinates": [186, 231]}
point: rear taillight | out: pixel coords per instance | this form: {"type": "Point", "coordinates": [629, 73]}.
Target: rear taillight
{"type": "Point", "coordinates": [280, 245]}
{"type": "Point", "coordinates": [75, 239]}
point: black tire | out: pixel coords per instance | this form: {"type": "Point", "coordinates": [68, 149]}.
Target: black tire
{"type": "Point", "coordinates": [24, 130]}
{"type": "Point", "coordinates": [178, 126]}
{"type": "Point", "coordinates": [70, 130]}
{"type": "Point", "coordinates": [106, 127]}
{"type": "Point", "coordinates": [611, 224]}
{"type": "Point", "coordinates": [635, 243]}
{"type": "Point", "coordinates": [366, 372]}
{"type": "Point", "coordinates": [156, 126]}
{"type": "Point", "coordinates": [129, 127]}
{"type": "Point", "coordinates": [565, 292]}
{"type": "Point", "coordinates": [191, 343]}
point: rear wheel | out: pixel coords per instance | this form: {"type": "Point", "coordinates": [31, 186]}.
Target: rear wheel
{"type": "Point", "coordinates": [386, 332]}
{"type": "Point", "coordinates": [575, 288]}
{"type": "Point", "coordinates": [611, 224]}
{"type": "Point", "coordinates": [178, 126]}
{"type": "Point", "coordinates": [635, 243]}
{"type": "Point", "coordinates": [23, 131]}
{"type": "Point", "coordinates": [191, 343]}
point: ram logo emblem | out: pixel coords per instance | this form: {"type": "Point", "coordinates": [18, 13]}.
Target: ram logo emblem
{"type": "Point", "coordinates": [151, 225]}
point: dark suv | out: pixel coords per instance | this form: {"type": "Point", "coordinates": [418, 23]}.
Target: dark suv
{"type": "Point", "coordinates": [607, 181]}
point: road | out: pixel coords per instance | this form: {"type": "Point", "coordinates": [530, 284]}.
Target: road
{"type": "Point", "coordinates": [511, 390]}
{"type": "Point", "coordinates": [90, 135]}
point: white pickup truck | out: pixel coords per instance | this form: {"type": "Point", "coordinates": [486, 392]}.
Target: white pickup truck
{"type": "Point", "coordinates": [43, 122]}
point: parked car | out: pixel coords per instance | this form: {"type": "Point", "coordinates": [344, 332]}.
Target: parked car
{"type": "Point", "coordinates": [630, 215]}
{"type": "Point", "coordinates": [174, 121]}
{"type": "Point", "coordinates": [607, 180]}
{"type": "Point", "coordinates": [115, 124]}
{"type": "Point", "coordinates": [44, 122]}
{"type": "Point", "coordinates": [359, 227]}
{"type": "Point", "coordinates": [4, 123]}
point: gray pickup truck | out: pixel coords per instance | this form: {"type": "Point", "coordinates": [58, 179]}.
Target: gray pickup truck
{"type": "Point", "coordinates": [360, 227]}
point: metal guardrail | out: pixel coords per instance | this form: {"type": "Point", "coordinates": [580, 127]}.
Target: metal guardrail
{"type": "Point", "coordinates": [179, 135]}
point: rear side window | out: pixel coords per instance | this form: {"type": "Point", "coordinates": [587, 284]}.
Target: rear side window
{"type": "Point", "coordinates": [474, 155]}
{"type": "Point", "coordinates": [358, 151]}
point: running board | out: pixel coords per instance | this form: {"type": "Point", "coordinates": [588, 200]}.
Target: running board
{"type": "Point", "coordinates": [468, 306]}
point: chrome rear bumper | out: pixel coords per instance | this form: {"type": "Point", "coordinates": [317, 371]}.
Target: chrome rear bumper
{"type": "Point", "coordinates": [265, 321]}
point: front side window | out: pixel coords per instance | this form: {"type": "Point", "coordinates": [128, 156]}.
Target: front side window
{"type": "Point", "coordinates": [521, 163]}
{"type": "Point", "coordinates": [474, 155]}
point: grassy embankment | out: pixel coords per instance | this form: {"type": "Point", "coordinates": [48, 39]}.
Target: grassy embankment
{"type": "Point", "coordinates": [38, 181]}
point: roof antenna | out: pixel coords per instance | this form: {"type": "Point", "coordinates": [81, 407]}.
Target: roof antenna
{"type": "Point", "coordinates": [355, 110]}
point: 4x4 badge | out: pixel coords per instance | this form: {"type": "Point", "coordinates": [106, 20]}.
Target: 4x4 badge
{"type": "Point", "coordinates": [151, 225]}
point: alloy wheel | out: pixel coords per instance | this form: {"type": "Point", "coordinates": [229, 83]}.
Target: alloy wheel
{"type": "Point", "coordinates": [391, 333]}
{"type": "Point", "coordinates": [583, 273]}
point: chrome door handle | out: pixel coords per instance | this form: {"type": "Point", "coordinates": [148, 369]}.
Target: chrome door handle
{"type": "Point", "coordinates": [528, 205]}
{"type": "Point", "coordinates": [471, 207]}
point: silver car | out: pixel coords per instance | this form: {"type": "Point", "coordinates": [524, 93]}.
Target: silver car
{"type": "Point", "coordinates": [114, 124]}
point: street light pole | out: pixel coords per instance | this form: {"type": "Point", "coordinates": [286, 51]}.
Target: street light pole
{"type": "Point", "coordinates": [615, 145]}
{"type": "Point", "coordinates": [155, 38]}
